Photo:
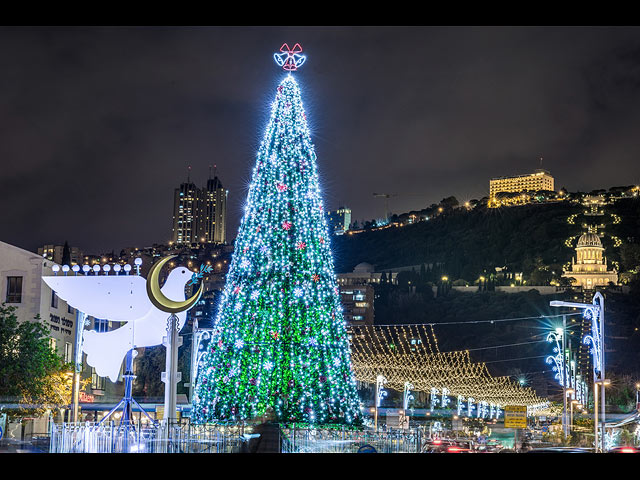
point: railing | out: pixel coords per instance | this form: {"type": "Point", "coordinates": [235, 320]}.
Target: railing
{"type": "Point", "coordinates": [164, 438]}
{"type": "Point", "coordinates": [349, 441]}
{"type": "Point", "coordinates": [112, 438]}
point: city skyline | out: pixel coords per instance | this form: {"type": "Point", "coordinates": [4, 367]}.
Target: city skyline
{"type": "Point", "coordinates": [93, 152]}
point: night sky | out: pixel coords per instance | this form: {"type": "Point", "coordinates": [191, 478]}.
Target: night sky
{"type": "Point", "coordinates": [99, 124]}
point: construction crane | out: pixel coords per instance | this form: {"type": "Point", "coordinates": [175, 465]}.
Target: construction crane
{"type": "Point", "coordinates": [387, 196]}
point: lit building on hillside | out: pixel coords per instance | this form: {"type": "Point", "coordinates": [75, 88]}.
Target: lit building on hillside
{"type": "Point", "coordinates": [532, 182]}
{"type": "Point", "coordinates": [364, 274]}
{"type": "Point", "coordinates": [589, 267]}
{"type": "Point", "coordinates": [339, 220]}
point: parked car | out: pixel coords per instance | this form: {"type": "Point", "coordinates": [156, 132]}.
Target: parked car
{"type": "Point", "coordinates": [436, 445]}
{"type": "Point", "coordinates": [460, 447]}
{"type": "Point", "coordinates": [626, 449]}
{"type": "Point", "coordinates": [449, 445]}
{"type": "Point", "coordinates": [491, 447]}
{"type": "Point", "coordinates": [559, 450]}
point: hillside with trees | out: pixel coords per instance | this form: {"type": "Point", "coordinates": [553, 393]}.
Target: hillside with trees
{"type": "Point", "coordinates": [468, 243]}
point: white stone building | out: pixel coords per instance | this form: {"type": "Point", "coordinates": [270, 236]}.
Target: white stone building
{"type": "Point", "coordinates": [21, 286]}
{"type": "Point", "coordinates": [589, 267]}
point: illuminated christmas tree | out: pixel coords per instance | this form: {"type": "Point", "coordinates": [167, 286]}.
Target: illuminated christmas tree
{"type": "Point", "coordinates": [279, 338]}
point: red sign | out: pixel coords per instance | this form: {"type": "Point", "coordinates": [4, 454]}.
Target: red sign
{"type": "Point", "coordinates": [87, 398]}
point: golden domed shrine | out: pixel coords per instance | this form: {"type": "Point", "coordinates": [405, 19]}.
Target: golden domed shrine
{"type": "Point", "coordinates": [589, 267]}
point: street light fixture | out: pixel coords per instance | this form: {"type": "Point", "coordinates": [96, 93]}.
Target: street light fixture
{"type": "Point", "coordinates": [573, 402]}
{"type": "Point", "coordinates": [559, 336]}
{"type": "Point", "coordinates": [380, 394]}
{"type": "Point", "coordinates": [595, 312]}
{"type": "Point", "coordinates": [606, 382]}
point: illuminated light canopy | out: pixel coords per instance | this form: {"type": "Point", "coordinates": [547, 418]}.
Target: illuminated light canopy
{"type": "Point", "coordinates": [393, 351]}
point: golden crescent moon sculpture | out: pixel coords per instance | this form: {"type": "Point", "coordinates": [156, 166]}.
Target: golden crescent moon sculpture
{"type": "Point", "coordinates": [159, 300]}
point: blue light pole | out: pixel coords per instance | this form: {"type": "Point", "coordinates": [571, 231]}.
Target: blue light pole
{"type": "Point", "coordinates": [380, 394]}
{"type": "Point", "coordinates": [595, 312]}
{"type": "Point", "coordinates": [559, 336]}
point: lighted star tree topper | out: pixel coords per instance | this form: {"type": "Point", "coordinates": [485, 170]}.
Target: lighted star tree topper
{"type": "Point", "coordinates": [279, 337]}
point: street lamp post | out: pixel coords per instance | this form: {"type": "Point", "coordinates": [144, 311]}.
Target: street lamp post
{"type": "Point", "coordinates": [407, 396]}
{"type": "Point", "coordinates": [380, 394]}
{"type": "Point", "coordinates": [198, 336]}
{"type": "Point", "coordinates": [577, 404]}
{"type": "Point", "coordinates": [564, 373]}
{"type": "Point", "coordinates": [81, 320]}
{"type": "Point", "coordinates": [595, 312]}
{"type": "Point", "coordinates": [559, 336]}
{"type": "Point", "coordinates": [569, 392]}
{"type": "Point", "coordinates": [595, 413]}
{"type": "Point", "coordinates": [602, 384]}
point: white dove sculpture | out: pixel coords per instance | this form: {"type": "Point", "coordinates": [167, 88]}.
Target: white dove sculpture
{"type": "Point", "coordinates": [120, 298]}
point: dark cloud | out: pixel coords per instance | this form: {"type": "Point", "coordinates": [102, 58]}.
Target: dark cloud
{"type": "Point", "coordinates": [98, 125]}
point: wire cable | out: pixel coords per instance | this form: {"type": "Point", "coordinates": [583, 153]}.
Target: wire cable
{"type": "Point", "coordinates": [539, 317]}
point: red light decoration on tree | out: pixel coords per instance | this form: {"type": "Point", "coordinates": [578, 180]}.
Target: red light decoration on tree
{"type": "Point", "coordinates": [290, 58]}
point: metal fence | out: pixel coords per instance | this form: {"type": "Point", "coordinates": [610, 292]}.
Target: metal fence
{"type": "Point", "coordinates": [112, 438]}
{"type": "Point", "coordinates": [349, 441]}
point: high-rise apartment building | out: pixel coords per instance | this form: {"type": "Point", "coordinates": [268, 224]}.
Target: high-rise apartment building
{"type": "Point", "coordinates": [200, 214]}
{"type": "Point", "coordinates": [339, 220]}
{"type": "Point", "coordinates": [538, 180]}
{"type": "Point", "coordinates": [215, 212]}
{"type": "Point", "coordinates": [187, 224]}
